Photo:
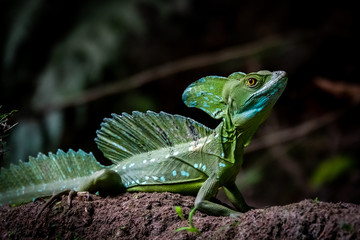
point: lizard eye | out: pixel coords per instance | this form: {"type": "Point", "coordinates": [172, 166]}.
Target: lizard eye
{"type": "Point", "coordinates": [252, 82]}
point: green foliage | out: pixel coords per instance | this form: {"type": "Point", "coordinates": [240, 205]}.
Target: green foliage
{"type": "Point", "coordinates": [88, 46]}
{"type": "Point", "coordinates": [179, 212]}
{"type": "Point", "coordinates": [330, 170]}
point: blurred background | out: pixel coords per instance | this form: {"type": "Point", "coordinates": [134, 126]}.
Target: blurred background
{"type": "Point", "coordinates": [65, 65]}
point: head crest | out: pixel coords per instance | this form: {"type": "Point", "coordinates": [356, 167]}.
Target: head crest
{"type": "Point", "coordinates": [207, 94]}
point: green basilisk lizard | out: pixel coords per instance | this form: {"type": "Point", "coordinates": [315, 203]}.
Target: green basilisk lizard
{"type": "Point", "coordinates": [162, 152]}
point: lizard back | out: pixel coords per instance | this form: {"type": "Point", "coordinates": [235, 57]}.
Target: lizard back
{"type": "Point", "coordinates": [124, 136]}
{"type": "Point", "coordinates": [150, 148]}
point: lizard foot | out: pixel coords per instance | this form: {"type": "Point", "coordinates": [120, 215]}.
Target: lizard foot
{"type": "Point", "coordinates": [71, 194]}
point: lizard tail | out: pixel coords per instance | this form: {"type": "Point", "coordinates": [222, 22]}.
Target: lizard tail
{"type": "Point", "coordinates": [45, 175]}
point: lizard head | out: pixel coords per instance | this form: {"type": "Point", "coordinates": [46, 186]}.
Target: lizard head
{"type": "Point", "coordinates": [244, 99]}
{"type": "Point", "coordinates": [250, 97]}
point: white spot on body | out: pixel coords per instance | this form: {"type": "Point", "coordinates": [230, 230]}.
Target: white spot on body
{"type": "Point", "coordinates": [131, 165]}
{"type": "Point", "coordinates": [152, 160]}
{"type": "Point", "coordinates": [174, 173]}
{"type": "Point", "coordinates": [185, 174]}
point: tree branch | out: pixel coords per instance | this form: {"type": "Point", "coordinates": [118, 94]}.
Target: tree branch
{"type": "Point", "coordinates": [168, 69]}
{"type": "Point", "coordinates": [293, 133]}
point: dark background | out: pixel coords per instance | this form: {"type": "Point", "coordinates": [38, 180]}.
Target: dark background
{"type": "Point", "coordinates": [65, 65]}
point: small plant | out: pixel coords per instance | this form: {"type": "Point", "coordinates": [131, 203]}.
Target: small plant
{"type": "Point", "coordinates": [192, 227]}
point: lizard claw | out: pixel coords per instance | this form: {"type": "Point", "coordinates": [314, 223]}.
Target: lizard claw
{"type": "Point", "coordinates": [71, 195]}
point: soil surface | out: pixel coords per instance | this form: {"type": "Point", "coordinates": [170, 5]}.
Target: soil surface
{"type": "Point", "coordinates": [152, 216]}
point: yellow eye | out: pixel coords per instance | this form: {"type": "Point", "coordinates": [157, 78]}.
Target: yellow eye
{"type": "Point", "coordinates": [252, 82]}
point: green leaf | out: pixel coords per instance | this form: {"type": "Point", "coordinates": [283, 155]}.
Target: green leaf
{"type": "Point", "coordinates": [192, 227]}
{"type": "Point", "coordinates": [189, 229]}
{"type": "Point", "coordinates": [179, 212]}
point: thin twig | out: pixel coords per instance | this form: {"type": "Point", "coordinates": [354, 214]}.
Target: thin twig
{"type": "Point", "coordinates": [339, 89]}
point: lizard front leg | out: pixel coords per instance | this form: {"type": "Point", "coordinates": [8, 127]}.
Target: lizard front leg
{"type": "Point", "coordinates": [203, 203]}
{"type": "Point", "coordinates": [236, 198]}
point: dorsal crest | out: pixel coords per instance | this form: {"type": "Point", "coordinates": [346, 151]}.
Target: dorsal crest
{"type": "Point", "coordinates": [123, 136]}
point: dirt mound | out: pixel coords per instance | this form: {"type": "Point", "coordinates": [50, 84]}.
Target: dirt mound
{"type": "Point", "coordinates": [152, 216]}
